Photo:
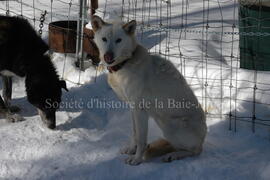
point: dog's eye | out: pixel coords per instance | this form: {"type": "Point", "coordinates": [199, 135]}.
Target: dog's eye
{"type": "Point", "coordinates": [104, 39]}
{"type": "Point", "coordinates": [118, 40]}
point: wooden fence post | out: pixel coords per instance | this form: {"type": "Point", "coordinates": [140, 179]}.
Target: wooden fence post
{"type": "Point", "coordinates": [94, 6]}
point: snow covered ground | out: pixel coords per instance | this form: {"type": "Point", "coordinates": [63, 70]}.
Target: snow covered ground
{"type": "Point", "coordinates": [87, 140]}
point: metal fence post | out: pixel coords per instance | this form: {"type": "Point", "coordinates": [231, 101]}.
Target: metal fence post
{"type": "Point", "coordinates": [80, 33]}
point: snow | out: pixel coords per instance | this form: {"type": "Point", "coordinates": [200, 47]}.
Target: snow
{"type": "Point", "coordinates": [87, 140]}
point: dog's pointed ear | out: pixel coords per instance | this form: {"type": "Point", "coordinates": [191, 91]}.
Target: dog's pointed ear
{"type": "Point", "coordinates": [63, 85]}
{"type": "Point", "coordinates": [130, 27]}
{"type": "Point", "coordinates": [97, 23]}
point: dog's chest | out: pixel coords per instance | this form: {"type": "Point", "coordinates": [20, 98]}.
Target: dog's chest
{"type": "Point", "coordinates": [124, 85]}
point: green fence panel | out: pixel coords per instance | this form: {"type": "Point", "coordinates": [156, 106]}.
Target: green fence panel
{"type": "Point", "coordinates": [254, 50]}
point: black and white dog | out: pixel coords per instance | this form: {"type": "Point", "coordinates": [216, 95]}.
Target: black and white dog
{"type": "Point", "coordinates": [22, 53]}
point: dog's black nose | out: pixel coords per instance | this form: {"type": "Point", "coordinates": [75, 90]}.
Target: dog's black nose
{"type": "Point", "coordinates": [109, 57]}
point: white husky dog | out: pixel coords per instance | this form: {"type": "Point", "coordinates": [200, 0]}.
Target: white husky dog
{"type": "Point", "coordinates": [154, 88]}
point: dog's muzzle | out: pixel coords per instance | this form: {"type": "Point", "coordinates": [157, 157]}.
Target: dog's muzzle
{"type": "Point", "coordinates": [109, 57]}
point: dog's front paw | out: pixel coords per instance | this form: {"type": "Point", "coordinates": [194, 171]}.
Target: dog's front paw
{"type": "Point", "coordinates": [132, 160]}
{"type": "Point", "coordinates": [14, 117]}
{"type": "Point", "coordinates": [130, 150]}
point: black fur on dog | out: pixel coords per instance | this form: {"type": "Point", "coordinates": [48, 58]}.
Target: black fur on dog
{"type": "Point", "coordinates": [22, 53]}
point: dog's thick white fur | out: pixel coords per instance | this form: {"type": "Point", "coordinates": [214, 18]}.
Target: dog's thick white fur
{"type": "Point", "coordinates": [155, 88]}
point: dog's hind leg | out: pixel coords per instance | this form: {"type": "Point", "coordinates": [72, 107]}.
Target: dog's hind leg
{"type": "Point", "coordinates": [7, 93]}
{"type": "Point", "coordinates": [180, 154]}
{"type": "Point", "coordinates": [11, 117]}
{"type": "Point", "coordinates": [7, 89]}
{"type": "Point", "coordinates": [186, 141]}
{"type": "Point", "coordinates": [184, 134]}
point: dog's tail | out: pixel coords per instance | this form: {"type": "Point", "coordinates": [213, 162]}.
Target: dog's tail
{"type": "Point", "coordinates": [158, 148]}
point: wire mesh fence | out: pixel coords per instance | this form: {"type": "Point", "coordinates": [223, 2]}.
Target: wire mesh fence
{"type": "Point", "coordinates": [200, 37]}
